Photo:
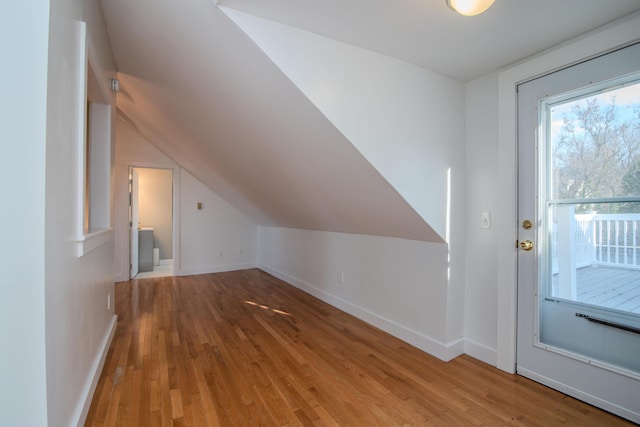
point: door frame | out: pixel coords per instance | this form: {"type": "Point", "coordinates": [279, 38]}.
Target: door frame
{"type": "Point", "coordinates": [134, 262]}
{"type": "Point", "coordinates": [610, 37]}
{"type": "Point", "coordinates": [175, 225]}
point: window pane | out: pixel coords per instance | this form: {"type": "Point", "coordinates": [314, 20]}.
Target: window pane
{"type": "Point", "coordinates": [595, 145]}
{"type": "Point", "coordinates": [595, 255]}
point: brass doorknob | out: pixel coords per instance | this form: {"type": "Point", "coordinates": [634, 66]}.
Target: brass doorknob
{"type": "Point", "coordinates": [526, 245]}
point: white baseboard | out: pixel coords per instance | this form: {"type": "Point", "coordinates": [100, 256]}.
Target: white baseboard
{"type": "Point", "coordinates": [120, 278]}
{"type": "Point", "coordinates": [443, 351]}
{"type": "Point", "coordinates": [214, 269]}
{"type": "Point", "coordinates": [165, 262]}
{"type": "Point", "coordinates": [580, 395]}
{"type": "Point", "coordinates": [481, 352]}
{"type": "Point", "coordinates": [80, 414]}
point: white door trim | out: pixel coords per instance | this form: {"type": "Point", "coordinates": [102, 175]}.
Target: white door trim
{"type": "Point", "coordinates": [609, 37]}
{"type": "Point", "coordinates": [134, 180]}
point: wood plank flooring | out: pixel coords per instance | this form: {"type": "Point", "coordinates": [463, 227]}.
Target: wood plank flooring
{"type": "Point", "coordinates": [245, 349]}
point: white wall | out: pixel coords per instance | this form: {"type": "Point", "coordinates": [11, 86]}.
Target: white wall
{"type": "Point", "coordinates": [408, 122]}
{"type": "Point", "coordinates": [155, 207]}
{"type": "Point", "coordinates": [23, 119]}
{"type": "Point", "coordinates": [200, 234]}
{"type": "Point", "coordinates": [215, 238]}
{"type": "Point", "coordinates": [396, 284]}
{"type": "Point", "coordinates": [78, 321]}
{"type": "Point", "coordinates": [480, 328]}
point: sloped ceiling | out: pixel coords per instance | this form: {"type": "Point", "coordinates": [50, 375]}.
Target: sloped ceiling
{"type": "Point", "coordinates": [201, 91]}
{"type": "Point", "coordinates": [207, 97]}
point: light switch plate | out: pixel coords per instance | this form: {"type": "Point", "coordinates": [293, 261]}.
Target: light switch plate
{"type": "Point", "coordinates": [485, 221]}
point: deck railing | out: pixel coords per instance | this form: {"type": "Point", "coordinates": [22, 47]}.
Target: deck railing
{"type": "Point", "coordinates": [602, 239]}
{"type": "Point", "coordinates": [617, 239]}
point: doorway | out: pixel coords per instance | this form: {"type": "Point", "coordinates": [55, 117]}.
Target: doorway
{"type": "Point", "coordinates": [151, 221]}
{"type": "Point", "coordinates": [579, 258]}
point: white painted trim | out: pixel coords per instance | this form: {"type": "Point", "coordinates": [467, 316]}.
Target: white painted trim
{"type": "Point", "coordinates": [149, 165]}
{"type": "Point", "coordinates": [165, 262]}
{"type": "Point", "coordinates": [89, 63]}
{"type": "Point", "coordinates": [580, 395]}
{"type": "Point", "coordinates": [215, 269]}
{"type": "Point", "coordinates": [480, 351]}
{"type": "Point", "coordinates": [441, 350]}
{"type": "Point", "coordinates": [617, 34]}
{"type": "Point", "coordinates": [80, 414]}
{"type": "Point", "coordinates": [91, 241]}
{"type": "Point", "coordinates": [81, 104]}
{"type": "Point", "coordinates": [453, 349]}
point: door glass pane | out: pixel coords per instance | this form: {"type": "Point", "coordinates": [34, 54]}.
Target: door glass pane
{"type": "Point", "coordinates": [595, 257]}
{"type": "Point", "coordinates": [594, 149]}
{"type": "Point", "coordinates": [590, 190]}
{"type": "Point", "coordinates": [595, 145]}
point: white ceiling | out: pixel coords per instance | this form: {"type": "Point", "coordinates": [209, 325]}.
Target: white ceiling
{"type": "Point", "coordinates": [429, 34]}
{"type": "Point", "coordinates": [198, 88]}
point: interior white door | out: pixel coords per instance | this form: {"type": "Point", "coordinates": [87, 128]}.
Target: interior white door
{"type": "Point", "coordinates": [579, 263]}
{"type": "Point", "coordinates": [133, 222]}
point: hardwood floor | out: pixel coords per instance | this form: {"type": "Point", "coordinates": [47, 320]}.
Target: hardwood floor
{"type": "Point", "coordinates": [245, 349]}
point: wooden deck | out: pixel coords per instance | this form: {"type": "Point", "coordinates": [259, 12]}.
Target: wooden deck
{"type": "Point", "coordinates": [246, 349]}
{"type": "Point", "coordinates": [616, 288]}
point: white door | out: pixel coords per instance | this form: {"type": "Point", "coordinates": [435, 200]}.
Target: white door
{"type": "Point", "coordinates": [133, 221]}
{"type": "Point", "coordinates": [579, 231]}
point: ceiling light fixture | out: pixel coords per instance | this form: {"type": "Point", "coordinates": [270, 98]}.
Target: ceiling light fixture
{"type": "Point", "coordinates": [469, 7]}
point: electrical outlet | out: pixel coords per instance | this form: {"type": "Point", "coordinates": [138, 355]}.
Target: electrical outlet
{"type": "Point", "coordinates": [241, 252]}
{"type": "Point", "coordinates": [342, 277]}
{"type": "Point", "coordinates": [221, 253]}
